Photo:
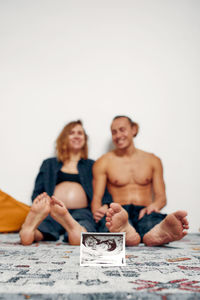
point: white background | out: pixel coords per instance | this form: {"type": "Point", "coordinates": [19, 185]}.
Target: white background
{"type": "Point", "coordinates": [61, 60]}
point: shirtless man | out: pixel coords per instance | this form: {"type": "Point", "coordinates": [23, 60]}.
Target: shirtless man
{"type": "Point", "coordinates": [135, 180]}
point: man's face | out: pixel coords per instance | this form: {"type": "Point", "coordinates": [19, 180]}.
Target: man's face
{"type": "Point", "coordinates": [122, 133]}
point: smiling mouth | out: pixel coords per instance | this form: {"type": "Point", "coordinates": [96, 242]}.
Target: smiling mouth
{"type": "Point", "coordinates": [120, 142]}
{"type": "Point", "coordinates": [76, 143]}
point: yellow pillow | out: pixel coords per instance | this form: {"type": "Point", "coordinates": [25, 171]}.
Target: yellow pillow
{"type": "Point", "coordinates": [12, 213]}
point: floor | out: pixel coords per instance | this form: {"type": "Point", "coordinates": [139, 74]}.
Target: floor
{"type": "Point", "coordinates": [51, 270]}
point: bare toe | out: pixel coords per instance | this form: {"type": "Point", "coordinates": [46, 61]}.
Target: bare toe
{"type": "Point", "coordinates": [172, 228]}
{"type": "Point", "coordinates": [117, 221]}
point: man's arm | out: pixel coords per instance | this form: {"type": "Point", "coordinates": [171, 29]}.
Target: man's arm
{"type": "Point", "coordinates": [158, 185]}
{"type": "Point", "coordinates": [99, 185]}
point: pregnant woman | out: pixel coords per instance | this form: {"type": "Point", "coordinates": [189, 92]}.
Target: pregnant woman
{"type": "Point", "coordinates": [63, 192]}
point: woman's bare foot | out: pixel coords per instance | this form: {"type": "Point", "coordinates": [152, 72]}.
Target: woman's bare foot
{"type": "Point", "coordinates": [38, 212]}
{"type": "Point", "coordinates": [117, 221]}
{"type": "Point", "coordinates": [61, 214]}
{"type": "Point", "coordinates": [172, 228]}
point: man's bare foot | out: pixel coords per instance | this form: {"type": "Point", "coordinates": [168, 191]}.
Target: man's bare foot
{"type": "Point", "coordinates": [38, 212]}
{"type": "Point", "coordinates": [117, 221]}
{"type": "Point", "coordinates": [61, 214]}
{"type": "Point", "coordinates": [172, 228]}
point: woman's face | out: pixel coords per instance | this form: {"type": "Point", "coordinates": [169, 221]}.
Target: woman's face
{"type": "Point", "coordinates": [76, 138]}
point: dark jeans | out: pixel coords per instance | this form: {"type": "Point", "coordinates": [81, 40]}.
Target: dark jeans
{"type": "Point", "coordinates": [52, 230]}
{"type": "Point", "coordinates": [143, 225]}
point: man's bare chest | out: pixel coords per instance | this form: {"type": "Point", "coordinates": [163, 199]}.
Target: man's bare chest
{"type": "Point", "coordinates": [124, 173]}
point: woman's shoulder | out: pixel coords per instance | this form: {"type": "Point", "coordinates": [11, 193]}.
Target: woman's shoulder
{"type": "Point", "coordinates": [87, 162]}
{"type": "Point", "coordinates": [51, 161]}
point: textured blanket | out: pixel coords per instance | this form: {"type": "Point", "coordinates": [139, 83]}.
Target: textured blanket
{"type": "Point", "coordinates": [51, 270]}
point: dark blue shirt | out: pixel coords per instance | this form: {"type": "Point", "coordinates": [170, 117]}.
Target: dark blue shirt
{"type": "Point", "coordinates": [47, 177]}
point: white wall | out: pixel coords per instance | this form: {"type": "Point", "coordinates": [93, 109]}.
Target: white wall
{"type": "Point", "coordinates": [62, 60]}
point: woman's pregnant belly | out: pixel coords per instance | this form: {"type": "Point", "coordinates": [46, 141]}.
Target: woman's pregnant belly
{"type": "Point", "coordinates": [71, 194]}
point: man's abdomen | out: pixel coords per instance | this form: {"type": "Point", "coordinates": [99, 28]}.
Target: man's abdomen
{"type": "Point", "coordinates": [132, 195]}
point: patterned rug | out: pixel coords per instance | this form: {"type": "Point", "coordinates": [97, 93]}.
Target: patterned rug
{"type": "Point", "coordinates": [51, 270]}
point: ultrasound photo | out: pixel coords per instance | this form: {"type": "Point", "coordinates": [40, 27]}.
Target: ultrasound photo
{"type": "Point", "coordinates": [98, 249]}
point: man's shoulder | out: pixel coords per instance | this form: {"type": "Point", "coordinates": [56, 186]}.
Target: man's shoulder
{"type": "Point", "coordinates": [148, 155]}
{"type": "Point", "coordinates": [105, 157]}
{"type": "Point", "coordinates": [102, 161]}
{"type": "Point", "coordinates": [151, 157]}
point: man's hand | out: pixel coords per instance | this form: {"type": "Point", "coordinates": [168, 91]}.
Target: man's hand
{"type": "Point", "coordinates": [95, 207]}
{"type": "Point", "coordinates": [100, 213]}
{"type": "Point", "coordinates": [148, 210]}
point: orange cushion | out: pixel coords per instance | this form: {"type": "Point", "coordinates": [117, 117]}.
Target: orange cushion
{"type": "Point", "coordinates": [12, 213]}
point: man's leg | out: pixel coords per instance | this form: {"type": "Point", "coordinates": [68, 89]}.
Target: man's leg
{"type": "Point", "coordinates": [38, 212]}
{"type": "Point", "coordinates": [147, 222]}
{"type": "Point", "coordinates": [61, 214]}
{"type": "Point", "coordinates": [117, 221]}
{"type": "Point", "coordinates": [172, 228]}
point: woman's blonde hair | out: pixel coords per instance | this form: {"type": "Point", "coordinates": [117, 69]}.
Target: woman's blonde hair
{"type": "Point", "coordinates": [62, 149]}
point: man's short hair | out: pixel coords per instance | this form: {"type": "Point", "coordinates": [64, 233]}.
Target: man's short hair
{"type": "Point", "coordinates": [131, 122]}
